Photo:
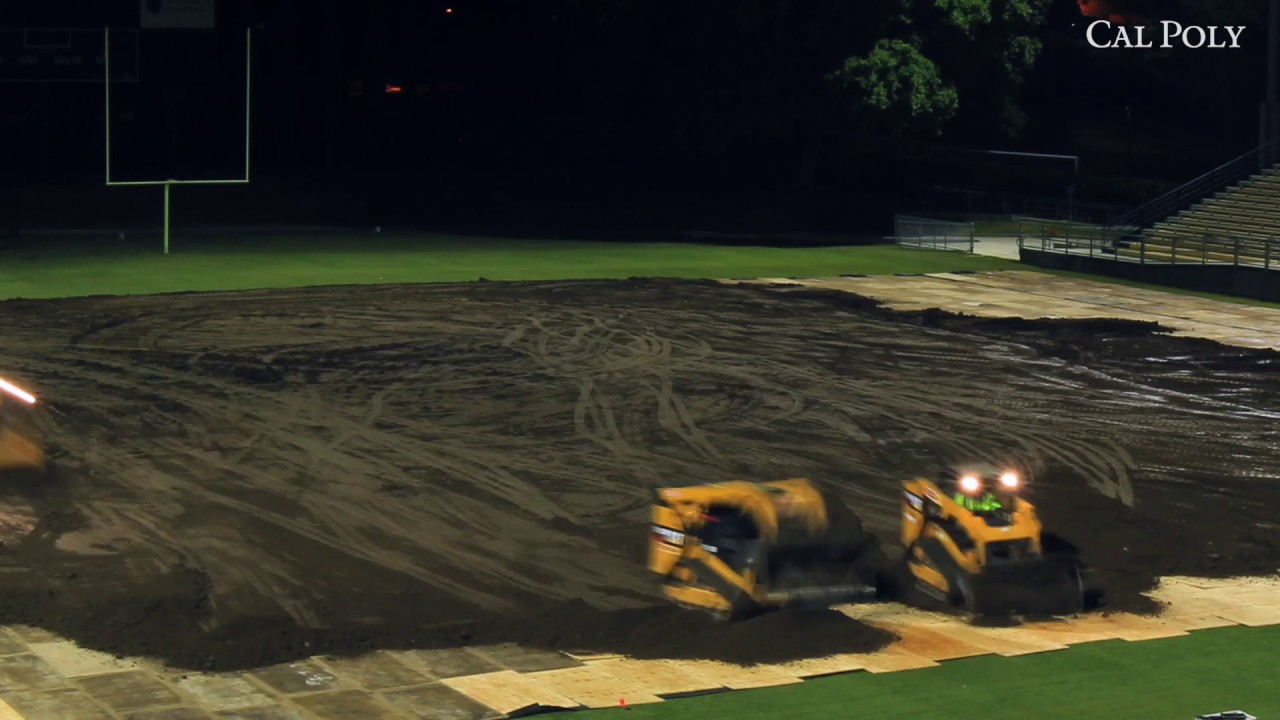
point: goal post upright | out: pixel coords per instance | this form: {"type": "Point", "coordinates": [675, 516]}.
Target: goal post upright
{"type": "Point", "coordinates": [170, 182]}
{"type": "Point", "coordinates": [248, 96]}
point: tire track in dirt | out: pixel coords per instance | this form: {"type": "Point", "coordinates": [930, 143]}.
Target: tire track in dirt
{"type": "Point", "coordinates": [405, 454]}
{"type": "Point", "coordinates": [352, 542]}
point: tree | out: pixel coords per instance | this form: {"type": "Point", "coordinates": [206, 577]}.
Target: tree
{"type": "Point", "coordinates": [900, 86]}
{"type": "Point", "coordinates": [943, 51]}
{"type": "Point", "coordinates": [771, 77]}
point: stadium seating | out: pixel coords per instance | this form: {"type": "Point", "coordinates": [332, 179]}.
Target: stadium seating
{"type": "Point", "coordinates": [1238, 225]}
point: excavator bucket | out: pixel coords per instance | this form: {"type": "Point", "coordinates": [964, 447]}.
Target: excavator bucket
{"type": "Point", "coordinates": [1047, 587]}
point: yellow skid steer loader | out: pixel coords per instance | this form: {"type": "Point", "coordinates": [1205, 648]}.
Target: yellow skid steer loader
{"type": "Point", "coordinates": [738, 549]}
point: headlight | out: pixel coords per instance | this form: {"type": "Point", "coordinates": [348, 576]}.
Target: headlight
{"type": "Point", "coordinates": [1009, 480]}
{"type": "Point", "coordinates": [17, 392]}
{"type": "Point", "coordinates": [970, 484]}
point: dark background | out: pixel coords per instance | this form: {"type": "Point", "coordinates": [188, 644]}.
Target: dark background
{"type": "Point", "coordinates": [595, 115]}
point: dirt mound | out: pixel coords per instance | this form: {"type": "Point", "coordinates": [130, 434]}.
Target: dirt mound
{"type": "Point", "coordinates": [1128, 549]}
{"type": "Point", "coordinates": [84, 601]}
{"type": "Point", "coordinates": [257, 477]}
{"type": "Point", "coordinates": [675, 633]}
{"type": "Point", "coordinates": [171, 618]}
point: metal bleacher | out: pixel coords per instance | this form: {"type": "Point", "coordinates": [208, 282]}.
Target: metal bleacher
{"type": "Point", "coordinates": [1238, 225]}
{"type": "Point", "coordinates": [1225, 217]}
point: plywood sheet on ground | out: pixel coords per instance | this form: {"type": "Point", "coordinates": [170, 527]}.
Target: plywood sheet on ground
{"type": "Point", "coordinates": [737, 677]}
{"type": "Point", "coordinates": [1197, 317]}
{"type": "Point", "coordinates": [223, 693]}
{"type": "Point", "coordinates": [593, 686]}
{"type": "Point", "coordinates": [830, 665]}
{"type": "Point", "coordinates": [1008, 642]}
{"type": "Point", "coordinates": [429, 702]}
{"type": "Point", "coordinates": [925, 639]}
{"type": "Point", "coordinates": [508, 692]}
{"type": "Point", "coordinates": [1253, 602]}
{"type": "Point", "coordinates": [1067, 632]}
{"type": "Point", "coordinates": [512, 656]}
{"type": "Point", "coordinates": [1192, 622]}
{"type": "Point", "coordinates": [1182, 599]}
{"type": "Point", "coordinates": [1200, 607]}
{"type": "Point", "coordinates": [931, 643]}
{"type": "Point", "coordinates": [1134, 628]}
{"type": "Point", "coordinates": [1178, 589]}
{"type": "Point", "coordinates": [73, 661]}
{"type": "Point", "coordinates": [454, 662]}
{"type": "Point", "coordinates": [895, 613]}
{"type": "Point", "coordinates": [958, 634]}
{"type": "Point", "coordinates": [895, 659]}
{"type": "Point", "coordinates": [1192, 584]}
{"type": "Point", "coordinates": [1033, 295]}
{"type": "Point", "coordinates": [595, 657]}
{"type": "Point", "coordinates": [1264, 594]}
{"type": "Point", "coordinates": [1251, 615]}
{"type": "Point", "coordinates": [1093, 628]}
{"type": "Point", "coordinates": [659, 677]}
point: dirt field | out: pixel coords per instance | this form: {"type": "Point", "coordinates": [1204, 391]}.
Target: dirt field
{"type": "Point", "coordinates": [246, 478]}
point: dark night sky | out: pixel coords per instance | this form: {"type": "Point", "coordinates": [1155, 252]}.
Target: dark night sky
{"type": "Point", "coordinates": [520, 91]}
{"type": "Point", "coordinates": [320, 69]}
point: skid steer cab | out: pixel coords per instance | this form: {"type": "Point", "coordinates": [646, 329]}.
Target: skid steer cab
{"type": "Point", "coordinates": [738, 549]}
{"type": "Point", "coordinates": [21, 443]}
{"type": "Point", "coordinates": [973, 543]}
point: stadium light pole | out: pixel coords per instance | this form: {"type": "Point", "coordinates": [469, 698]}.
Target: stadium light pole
{"type": "Point", "coordinates": [169, 183]}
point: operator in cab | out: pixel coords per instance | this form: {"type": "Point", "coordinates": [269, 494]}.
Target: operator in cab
{"type": "Point", "coordinates": [982, 490]}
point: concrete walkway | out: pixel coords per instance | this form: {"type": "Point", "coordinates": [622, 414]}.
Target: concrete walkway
{"type": "Point", "coordinates": [1001, 247]}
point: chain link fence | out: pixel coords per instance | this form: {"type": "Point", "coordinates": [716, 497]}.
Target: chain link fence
{"type": "Point", "coordinates": [919, 232]}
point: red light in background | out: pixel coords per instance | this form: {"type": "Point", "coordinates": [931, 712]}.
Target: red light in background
{"type": "Point", "coordinates": [393, 89]}
{"type": "Point", "coordinates": [448, 11]}
{"type": "Point", "coordinates": [1114, 12]}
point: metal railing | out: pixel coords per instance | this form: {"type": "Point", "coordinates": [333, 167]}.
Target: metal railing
{"type": "Point", "coordinates": [1055, 230]}
{"type": "Point", "coordinates": [1166, 250]}
{"type": "Point", "coordinates": [1198, 189]}
{"type": "Point", "coordinates": [949, 202]}
{"type": "Point", "coordinates": [918, 232]}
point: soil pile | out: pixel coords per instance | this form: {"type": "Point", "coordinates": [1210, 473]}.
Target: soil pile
{"type": "Point", "coordinates": [675, 633]}
{"type": "Point", "coordinates": [255, 477]}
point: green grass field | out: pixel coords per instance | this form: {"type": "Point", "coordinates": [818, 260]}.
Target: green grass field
{"type": "Point", "coordinates": [84, 267]}
{"type": "Point", "coordinates": [80, 269]}
{"type": "Point", "coordinates": [1175, 679]}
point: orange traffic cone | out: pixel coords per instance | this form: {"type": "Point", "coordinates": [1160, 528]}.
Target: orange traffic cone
{"type": "Point", "coordinates": [622, 703]}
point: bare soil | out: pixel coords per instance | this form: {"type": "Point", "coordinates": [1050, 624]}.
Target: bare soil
{"type": "Point", "coordinates": [247, 478]}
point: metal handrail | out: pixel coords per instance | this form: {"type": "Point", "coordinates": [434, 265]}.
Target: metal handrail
{"type": "Point", "coordinates": [921, 220]}
{"type": "Point", "coordinates": [1185, 195]}
{"type": "Point", "coordinates": [1220, 250]}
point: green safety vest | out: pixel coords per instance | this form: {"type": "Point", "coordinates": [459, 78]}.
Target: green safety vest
{"type": "Point", "coordinates": [987, 503]}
